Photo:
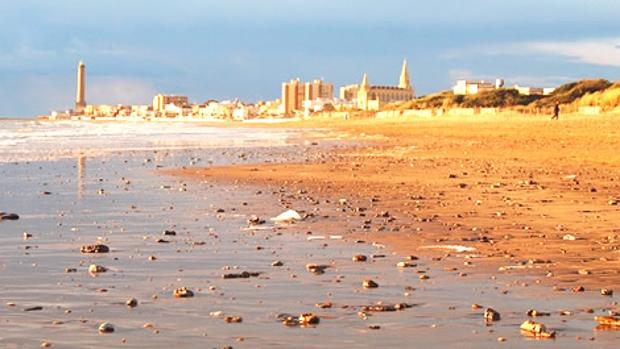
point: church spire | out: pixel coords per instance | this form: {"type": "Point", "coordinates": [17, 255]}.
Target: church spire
{"type": "Point", "coordinates": [404, 76]}
{"type": "Point", "coordinates": [365, 84]}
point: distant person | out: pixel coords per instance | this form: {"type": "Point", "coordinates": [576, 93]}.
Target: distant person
{"type": "Point", "coordinates": [556, 112]}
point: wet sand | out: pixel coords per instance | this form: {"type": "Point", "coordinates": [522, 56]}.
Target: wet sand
{"type": "Point", "coordinates": [531, 200]}
{"type": "Point", "coordinates": [532, 196]}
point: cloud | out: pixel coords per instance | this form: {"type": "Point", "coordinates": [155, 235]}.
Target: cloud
{"type": "Point", "coordinates": [596, 51]}
{"type": "Point", "coordinates": [539, 81]}
{"type": "Point", "coordinates": [604, 52]}
{"type": "Point", "coordinates": [25, 55]}
{"type": "Point", "coordinates": [119, 90]}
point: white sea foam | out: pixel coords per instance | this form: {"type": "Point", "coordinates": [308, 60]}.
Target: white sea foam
{"type": "Point", "coordinates": [29, 140]}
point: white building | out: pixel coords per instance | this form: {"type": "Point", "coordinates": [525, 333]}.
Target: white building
{"type": "Point", "coordinates": [534, 91]}
{"type": "Point", "coordinates": [470, 87]}
{"type": "Point", "coordinates": [244, 112]}
{"type": "Point", "coordinates": [317, 105]}
{"type": "Point", "coordinates": [529, 91]}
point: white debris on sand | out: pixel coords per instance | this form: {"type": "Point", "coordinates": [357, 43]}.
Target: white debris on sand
{"type": "Point", "coordinates": [287, 216]}
{"type": "Point", "coordinates": [323, 237]}
{"type": "Point", "coordinates": [455, 248]}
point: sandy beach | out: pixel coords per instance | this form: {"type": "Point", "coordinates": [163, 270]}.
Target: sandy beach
{"type": "Point", "coordinates": [530, 195]}
{"type": "Point", "coordinates": [398, 239]}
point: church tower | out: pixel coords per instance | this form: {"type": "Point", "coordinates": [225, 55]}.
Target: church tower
{"type": "Point", "coordinates": [80, 99]}
{"type": "Point", "coordinates": [363, 93]}
{"type": "Point", "coordinates": [404, 82]}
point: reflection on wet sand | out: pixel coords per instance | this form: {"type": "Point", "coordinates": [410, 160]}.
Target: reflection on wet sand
{"type": "Point", "coordinates": [81, 174]}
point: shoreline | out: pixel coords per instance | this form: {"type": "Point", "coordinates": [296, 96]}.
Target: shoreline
{"type": "Point", "coordinates": [483, 184]}
{"type": "Point", "coordinates": [383, 115]}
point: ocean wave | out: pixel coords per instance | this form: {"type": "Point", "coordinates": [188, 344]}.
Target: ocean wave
{"type": "Point", "coordinates": [41, 141]}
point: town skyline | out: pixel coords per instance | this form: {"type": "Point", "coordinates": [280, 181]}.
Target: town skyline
{"type": "Point", "coordinates": [206, 53]}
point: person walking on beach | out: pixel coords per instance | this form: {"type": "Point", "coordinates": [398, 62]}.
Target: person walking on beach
{"type": "Point", "coordinates": [556, 112]}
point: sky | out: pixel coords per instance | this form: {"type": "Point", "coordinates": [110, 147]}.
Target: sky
{"type": "Point", "coordinates": [245, 49]}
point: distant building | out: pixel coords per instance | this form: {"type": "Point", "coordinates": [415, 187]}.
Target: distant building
{"type": "Point", "coordinates": [160, 101]}
{"type": "Point", "coordinates": [469, 87]}
{"type": "Point", "coordinates": [318, 105]}
{"type": "Point", "coordinates": [218, 110]}
{"type": "Point", "coordinates": [530, 91]}
{"type": "Point", "coordinates": [294, 93]}
{"type": "Point", "coordinates": [244, 112]}
{"type": "Point", "coordinates": [373, 97]}
{"type": "Point", "coordinates": [349, 93]}
{"type": "Point", "coordinates": [80, 98]}
{"type": "Point", "coordinates": [318, 89]}
{"type": "Point", "coordinates": [271, 109]}
{"type": "Point", "coordinates": [534, 91]}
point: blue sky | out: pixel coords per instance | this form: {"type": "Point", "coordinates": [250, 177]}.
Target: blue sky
{"type": "Point", "coordinates": [245, 49]}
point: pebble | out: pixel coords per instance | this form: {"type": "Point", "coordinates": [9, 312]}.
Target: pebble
{"type": "Point", "coordinates": [106, 327]}
{"type": "Point", "coordinates": [8, 216]}
{"type": "Point", "coordinates": [95, 269]}
{"type": "Point", "coordinates": [536, 329]}
{"type": "Point", "coordinates": [491, 314]}
{"type": "Point", "coordinates": [324, 305]}
{"type": "Point", "coordinates": [233, 319]}
{"type": "Point", "coordinates": [132, 302]}
{"type": "Point", "coordinates": [380, 307]}
{"type": "Point", "coordinates": [242, 275]}
{"type": "Point", "coordinates": [255, 220]}
{"type": "Point", "coordinates": [96, 248]}
{"type": "Point", "coordinates": [359, 258]}
{"type": "Point", "coordinates": [535, 313]}
{"type": "Point", "coordinates": [182, 292]}
{"type": "Point", "coordinates": [35, 308]}
{"type": "Point", "coordinates": [607, 292]}
{"type": "Point", "coordinates": [308, 319]}
{"type": "Point", "coordinates": [304, 319]}
{"type": "Point", "coordinates": [608, 321]}
{"type": "Point", "coordinates": [316, 268]}
{"type": "Point", "coordinates": [277, 264]}
{"type": "Point", "coordinates": [368, 283]}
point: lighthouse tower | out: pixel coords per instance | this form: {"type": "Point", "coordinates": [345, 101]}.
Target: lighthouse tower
{"type": "Point", "coordinates": [80, 98]}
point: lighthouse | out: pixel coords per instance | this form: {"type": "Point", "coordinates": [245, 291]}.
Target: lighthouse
{"type": "Point", "coordinates": [80, 99]}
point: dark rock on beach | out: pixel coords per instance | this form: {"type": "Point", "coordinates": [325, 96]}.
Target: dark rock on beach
{"type": "Point", "coordinates": [8, 216]}
{"type": "Point", "coordinates": [96, 248]}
